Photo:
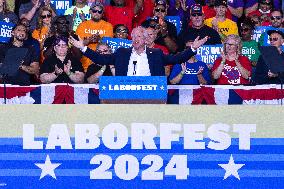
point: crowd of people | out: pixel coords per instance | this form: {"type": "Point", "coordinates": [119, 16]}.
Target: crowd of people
{"type": "Point", "coordinates": [68, 48]}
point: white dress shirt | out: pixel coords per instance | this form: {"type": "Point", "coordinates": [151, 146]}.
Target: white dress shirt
{"type": "Point", "coordinates": [141, 68]}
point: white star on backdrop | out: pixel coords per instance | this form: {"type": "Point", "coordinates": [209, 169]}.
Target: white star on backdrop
{"type": "Point", "coordinates": [104, 87]}
{"type": "Point", "coordinates": [162, 87]}
{"type": "Point", "coordinates": [47, 168]}
{"type": "Point", "coordinates": [231, 168]}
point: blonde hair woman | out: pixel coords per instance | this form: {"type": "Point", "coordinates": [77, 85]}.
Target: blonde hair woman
{"type": "Point", "coordinates": [232, 68]}
{"type": "Point", "coordinates": [43, 27]}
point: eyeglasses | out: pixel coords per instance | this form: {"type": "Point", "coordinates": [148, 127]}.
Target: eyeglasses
{"type": "Point", "coordinates": [121, 31]}
{"type": "Point", "coordinates": [160, 10]}
{"type": "Point", "coordinates": [97, 11]}
{"type": "Point", "coordinates": [273, 39]}
{"type": "Point", "coordinates": [102, 51]}
{"type": "Point", "coordinates": [244, 29]}
{"type": "Point", "coordinates": [61, 45]}
{"type": "Point", "coordinates": [276, 17]}
{"type": "Point", "coordinates": [230, 44]}
{"type": "Point", "coordinates": [46, 16]}
{"type": "Point", "coordinates": [196, 14]}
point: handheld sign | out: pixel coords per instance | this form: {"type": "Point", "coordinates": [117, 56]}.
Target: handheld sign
{"type": "Point", "coordinates": [115, 43]}
{"type": "Point", "coordinates": [61, 5]}
{"type": "Point", "coordinates": [5, 31]}
{"type": "Point", "coordinates": [208, 53]}
{"type": "Point", "coordinates": [176, 21]}
{"type": "Point", "coordinates": [258, 31]}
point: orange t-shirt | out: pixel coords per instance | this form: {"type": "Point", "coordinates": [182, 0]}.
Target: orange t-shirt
{"type": "Point", "coordinates": [89, 28]}
{"type": "Point", "coordinates": [41, 35]}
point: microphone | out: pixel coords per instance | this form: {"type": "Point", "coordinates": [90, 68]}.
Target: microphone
{"type": "Point", "coordinates": [134, 69]}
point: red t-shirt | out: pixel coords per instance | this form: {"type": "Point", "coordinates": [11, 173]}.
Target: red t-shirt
{"type": "Point", "coordinates": [163, 48]}
{"type": "Point", "coordinates": [120, 15]}
{"type": "Point", "coordinates": [145, 12]}
{"type": "Point", "coordinates": [230, 74]}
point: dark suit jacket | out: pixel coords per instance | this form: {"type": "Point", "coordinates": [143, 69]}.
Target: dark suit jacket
{"type": "Point", "coordinates": [156, 59]}
{"type": "Point", "coordinates": [261, 74]}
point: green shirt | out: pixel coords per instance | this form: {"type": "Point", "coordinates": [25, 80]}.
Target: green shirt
{"type": "Point", "coordinates": [250, 50]}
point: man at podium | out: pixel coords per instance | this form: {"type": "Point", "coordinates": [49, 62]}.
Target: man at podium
{"type": "Point", "coordinates": [139, 60]}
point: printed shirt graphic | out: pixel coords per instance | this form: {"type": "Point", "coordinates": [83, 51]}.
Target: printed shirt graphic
{"type": "Point", "coordinates": [231, 74]}
{"type": "Point", "coordinates": [250, 50]}
{"type": "Point", "coordinates": [227, 27]}
{"type": "Point", "coordinates": [77, 21]}
{"type": "Point", "coordinates": [89, 28]}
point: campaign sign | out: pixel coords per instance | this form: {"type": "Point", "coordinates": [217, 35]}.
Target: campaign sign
{"type": "Point", "coordinates": [104, 2]}
{"type": "Point", "coordinates": [141, 147]}
{"type": "Point", "coordinates": [61, 5]}
{"type": "Point", "coordinates": [5, 31]}
{"type": "Point", "coordinates": [135, 87]}
{"type": "Point", "coordinates": [115, 43]}
{"type": "Point", "coordinates": [208, 53]}
{"type": "Point", "coordinates": [258, 31]}
{"type": "Point", "coordinates": [176, 21]}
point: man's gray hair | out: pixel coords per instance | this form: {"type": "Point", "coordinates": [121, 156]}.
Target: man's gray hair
{"type": "Point", "coordinates": [139, 29]}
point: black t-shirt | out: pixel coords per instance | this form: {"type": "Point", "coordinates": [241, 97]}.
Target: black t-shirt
{"type": "Point", "coordinates": [94, 68]}
{"type": "Point", "coordinates": [191, 33]}
{"type": "Point", "coordinates": [48, 42]}
{"type": "Point", "coordinates": [49, 63]}
{"type": "Point", "coordinates": [21, 77]}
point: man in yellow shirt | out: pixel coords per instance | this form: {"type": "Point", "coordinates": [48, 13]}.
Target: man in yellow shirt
{"type": "Point", "coordinates": [220, 23]}
{"type": "Point", "coordinates": [88, 30]}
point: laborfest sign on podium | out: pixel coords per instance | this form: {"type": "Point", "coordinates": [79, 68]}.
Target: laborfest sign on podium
{"type": "Point", "coordinates": [136, 89]}
{"type": "Point", "coordinates": [141, 146]}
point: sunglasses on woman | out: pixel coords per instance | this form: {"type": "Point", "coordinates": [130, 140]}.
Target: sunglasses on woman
{"type": "Point", "coordinates": [46, 16]}
{"type": "Point", "coordinates": [160, 10]}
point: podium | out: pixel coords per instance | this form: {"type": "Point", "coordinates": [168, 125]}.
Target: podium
{"type": "Point", "coordinates": [133, 90]}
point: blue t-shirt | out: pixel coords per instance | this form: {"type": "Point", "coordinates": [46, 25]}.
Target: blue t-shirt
{"type": "Point", "coordinates": [190, 75]}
